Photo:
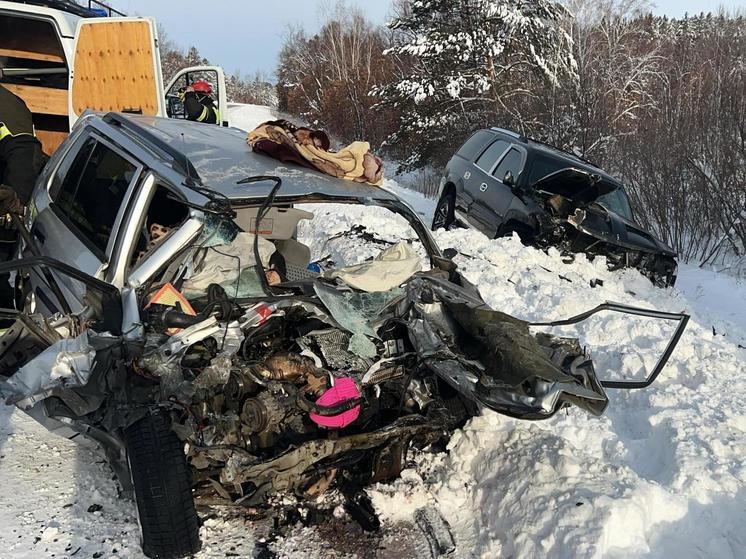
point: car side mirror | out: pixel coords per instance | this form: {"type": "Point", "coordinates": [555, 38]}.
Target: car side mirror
{"type": "Point", "coordinates": [509, 180]}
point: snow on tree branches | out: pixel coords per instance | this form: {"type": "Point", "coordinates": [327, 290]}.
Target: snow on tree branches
{"type": "Point", "coordinates": [463, 60]}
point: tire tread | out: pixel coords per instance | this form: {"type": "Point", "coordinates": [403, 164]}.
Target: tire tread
{"type": "Point", "coordinates": [163, 489]}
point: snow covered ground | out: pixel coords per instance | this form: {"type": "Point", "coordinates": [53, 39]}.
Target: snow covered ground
{"type": "Point", "coordinates": [661, 474]}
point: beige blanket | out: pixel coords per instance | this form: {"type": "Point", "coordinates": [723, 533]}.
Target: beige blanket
{"type": "Point", "coordinates": [284, 141]}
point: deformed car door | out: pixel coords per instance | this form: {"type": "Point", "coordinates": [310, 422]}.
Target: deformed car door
{"type": "Point", "coordinates": [76, 221]}
{"type": "Point", "coordinates": [32, 334]}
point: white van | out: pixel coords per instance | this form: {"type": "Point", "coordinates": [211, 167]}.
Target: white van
{"type": "Point", "coordinates": [62, 60]}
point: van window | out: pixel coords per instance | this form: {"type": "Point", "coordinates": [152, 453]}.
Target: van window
{"type": "Point", "coordinates": [32, 43]}
{"type": "Point", "coordinates": [511, 162]}
{"type": "Point", "coordinates": [93, 190]}
{"type": "Point", "coordinates": [490, 156]}
{"type": "Point", "coordinates": [474, 145]}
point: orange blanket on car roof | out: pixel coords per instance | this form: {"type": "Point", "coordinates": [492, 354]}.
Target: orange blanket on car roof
{"type": "Point", "coordinates": [288, 143]}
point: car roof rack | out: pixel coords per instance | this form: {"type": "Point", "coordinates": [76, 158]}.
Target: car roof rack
{"type": "Point", "coordinates": [180, 161]}
{"type": "Point", "coordinates": [94, 8]}
{"type": "Point", "coordinates": [511, 133]}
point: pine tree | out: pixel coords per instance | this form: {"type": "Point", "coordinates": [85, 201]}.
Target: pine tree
{"type": "Point", "coordinates": [464, 62]}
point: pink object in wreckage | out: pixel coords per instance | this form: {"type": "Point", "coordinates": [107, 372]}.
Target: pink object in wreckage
{"type": "Point", "coordinates": [344, 389]}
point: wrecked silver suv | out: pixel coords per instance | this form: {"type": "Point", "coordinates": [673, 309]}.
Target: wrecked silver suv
{"type": "Point", "coordinates": [172, 314]}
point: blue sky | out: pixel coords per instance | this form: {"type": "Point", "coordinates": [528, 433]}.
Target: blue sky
{"type": "Point", "coordinates": [246, 35]}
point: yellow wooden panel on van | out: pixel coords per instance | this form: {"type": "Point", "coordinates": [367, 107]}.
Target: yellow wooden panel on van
{"type": "Point", "coordinates": [114, 68]}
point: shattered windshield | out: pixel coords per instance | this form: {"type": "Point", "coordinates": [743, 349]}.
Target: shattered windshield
{"type": "Point", "coordinates": [365, 248]}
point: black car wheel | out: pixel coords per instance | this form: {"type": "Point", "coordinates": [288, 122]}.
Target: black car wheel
{"type": "Point", "coordinates": [444, 216]}
{"type": "Point", "coordinates": [163, 489]}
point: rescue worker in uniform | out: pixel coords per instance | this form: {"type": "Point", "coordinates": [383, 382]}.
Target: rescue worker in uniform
{"type": "Point", "coordinates": [199, 104]}
{"type": "Point", "coordinates": [21, 160]}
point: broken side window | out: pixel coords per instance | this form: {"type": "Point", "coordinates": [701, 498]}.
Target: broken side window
{"type": "Point", "coordinates": [163, 216]}
{"type": "Point", "coordinates": [93, 191]}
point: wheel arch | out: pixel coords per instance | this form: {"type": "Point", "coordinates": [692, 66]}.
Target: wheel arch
{"type": "Point", "coordinates": [527, 226]}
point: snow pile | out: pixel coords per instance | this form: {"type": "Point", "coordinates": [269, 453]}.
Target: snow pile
{"type": "Point", "coordinates": [248, 117]}
{"type": "Point", "coordinates": [661, 474]}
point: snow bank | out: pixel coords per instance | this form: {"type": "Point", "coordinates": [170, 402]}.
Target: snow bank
{"type": "Point", "coordinates": [248, 117]}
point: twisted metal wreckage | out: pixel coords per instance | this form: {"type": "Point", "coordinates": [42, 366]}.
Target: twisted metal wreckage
{"type": "Point", "coordinates": [292, 392]}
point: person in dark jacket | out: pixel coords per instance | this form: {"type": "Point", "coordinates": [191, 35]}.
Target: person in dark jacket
{"type": "Point", "coordinates": [199, 104]}
{"type": "Point", "coordinates": [21, 159]}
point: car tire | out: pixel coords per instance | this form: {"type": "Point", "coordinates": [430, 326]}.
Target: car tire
{"type": "Point", "coordinates": [445, 210]}
{"type": "Point", "coordinates": [163, 489]}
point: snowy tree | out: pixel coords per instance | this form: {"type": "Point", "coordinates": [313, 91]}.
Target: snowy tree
{"type": "Point", "coordinates": [326, 78]}
{"type": "Point", "coordinates": [465, 64]}
{"type": "Point", "coordinates": [619, 67]}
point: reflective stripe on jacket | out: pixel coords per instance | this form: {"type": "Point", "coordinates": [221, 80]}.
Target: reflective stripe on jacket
{"type": "Point", "coordinates": [205, 115]}
{"type": "Point", "coordinates": [5, 132]}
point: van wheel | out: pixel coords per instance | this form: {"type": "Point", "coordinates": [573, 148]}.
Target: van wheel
{"type": "Point", "coordinates": [163, 489]}
{"type": "Point", "coordinates": [444, 216]}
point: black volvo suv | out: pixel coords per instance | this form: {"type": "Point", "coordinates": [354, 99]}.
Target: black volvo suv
{"type": "Point", "coordinates": [501, 182]}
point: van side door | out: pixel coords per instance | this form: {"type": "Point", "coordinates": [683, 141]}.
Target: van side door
{"type": "Point", "coordinates": [116, 67]}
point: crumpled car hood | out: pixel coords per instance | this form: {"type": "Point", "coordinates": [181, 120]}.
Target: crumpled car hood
{"type": "Point", "coordinates": [492, 357]}
{"type": "Point", "coordinates": [600, 222]}
{"type": "Point", "coordinates": [578, 185]}
{"type": "Point", "coordinates": [583, 189]}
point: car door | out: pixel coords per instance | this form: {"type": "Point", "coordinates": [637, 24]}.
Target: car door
{"type": "Point", "coordinates": [213, 75]}
{"type": "Point", "coordinates": [30, 346]}
{"type": "Point", "coordinates": [498, 197]}
{"type": "Point", "coordinates": [479, 181]}
{"type": "Point", "coordinates": [116, 67]}
{"type": "Point", "coordinates": [77, 219]}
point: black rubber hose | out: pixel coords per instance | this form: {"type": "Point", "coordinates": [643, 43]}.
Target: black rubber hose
{"type": "Point", "coordinates": [327, 411]}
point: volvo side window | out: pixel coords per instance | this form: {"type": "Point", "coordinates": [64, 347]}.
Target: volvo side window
{"type": "Point", "coordinates": [511, 162]}
{"type": "Point", "coordinates": [93, 190]}
{"type": "Point", "coordinates": [490, 156]}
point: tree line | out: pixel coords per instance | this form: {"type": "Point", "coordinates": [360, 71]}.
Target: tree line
{"type": "Point", "coordinates": [658, 102]}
